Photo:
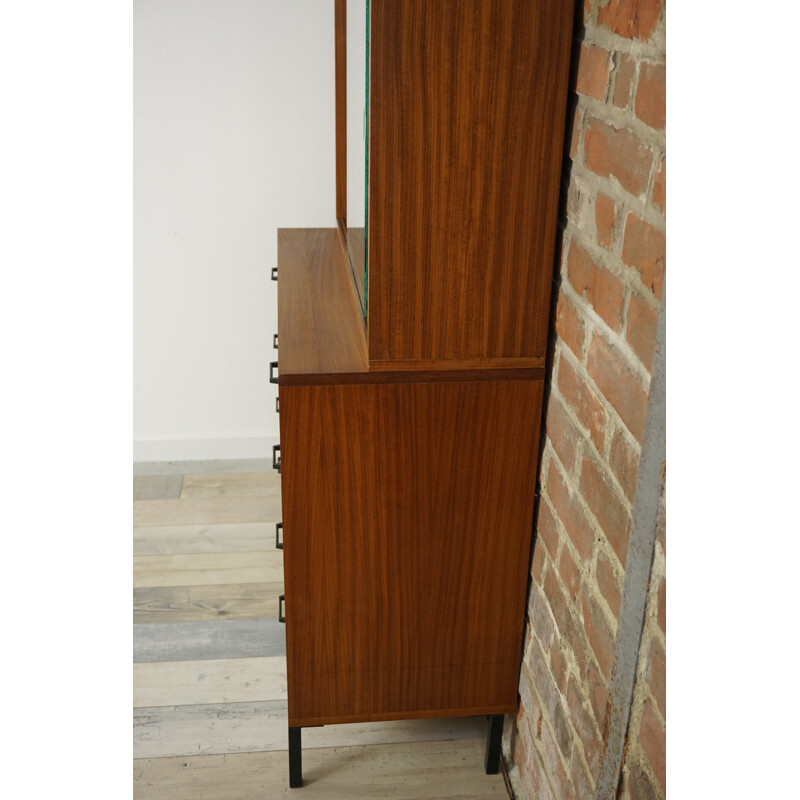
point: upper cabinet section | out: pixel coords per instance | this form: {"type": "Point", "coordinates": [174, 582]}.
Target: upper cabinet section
{"type": "Point", "coordinates": [465, 112]}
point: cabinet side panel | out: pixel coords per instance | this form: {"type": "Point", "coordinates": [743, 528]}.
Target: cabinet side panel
{"type": "Point", "coordinates": [407, 528]}
{"type": "Point", "coordinates": [467, 114]}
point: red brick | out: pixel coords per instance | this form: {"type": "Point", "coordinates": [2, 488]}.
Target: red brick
{"type": "Point", "coordinates": [588, 409]}
{"type": "Point", "coordinates": [624, 463]}
{"type": "Point", "coordinates": [605, 217]}
{"type": "Point", "coordinates": [569, 631]}
{"type": "Point", "coordinates": [594, 67]}
{"type": "Point", "coordinates": [651, 95]}
{"type": "Point", "coordinates": [654, 743]}
{"type": "Point", "coordinates": [540, 622]}
{"type": "Point", "coordinates": [619, 386]}
{"type": "Point", "coordinates": [626, 69]}
{"type": "Point", "coordinates": [570, 513]}
{"type": "Point", "coordinates": [639, 784]}
{"type": "Point", "coordinates": [609, 511]}
{"type": "Point", "coordinates": [657, 675]}
{"type": "Point", "coordinates": [562, 433]}
{"type": "Point", "coordinates": [530, 767]}
{"type": "Point", "coordinates": [553, 766]}
{"type": "Point", "coordinates": [598, 695]}
{"type": "Point", "coordinates": [633, 19]}
{"type": "Point", "coordinates": [660, 188]}
{"type": "Point", "coordinates": [580, 778]}
{"type": "Point", "coordinates": [599, 634]}
{"type": "Point", "coordinates": [662, 606]}
{"type": "Point", "coordinates": [645, 249]}
{"type": "Point", "coordinates": [617, 152]}
{"type": "Point", "coordinates": [537, 564]}
{"type": "Point", "coordinates": [641, 331]}
{"type": "Point", "coordinates": [568, 570]}
{"type": "Point", "coordinates": [583, 723]}
{"type": "Point", "coordinates": [547, 530]}
{"type": "Point", "coordinates": [607, 582]}
{"type": "Point", "coordinates": [569, 324]}
{"type": "Point", "coordinates": [558, 665]}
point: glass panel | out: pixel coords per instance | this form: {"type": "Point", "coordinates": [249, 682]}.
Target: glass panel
{"type": "Point", "coordinates": [357, 91]}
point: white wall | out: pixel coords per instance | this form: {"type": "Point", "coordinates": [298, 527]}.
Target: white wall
{"type": "Point", "coordinates": [233, 138]}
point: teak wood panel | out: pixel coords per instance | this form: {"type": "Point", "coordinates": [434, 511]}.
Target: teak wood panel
{"type": "Point", "coordinates": [407, 529]}
{"type": "Point", "coordinates": [467, 114]}
{"type": "Point", "coordinates": [320, 328]}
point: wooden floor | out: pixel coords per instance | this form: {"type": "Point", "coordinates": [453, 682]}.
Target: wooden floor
{"type": "Point", "coordinates": [209, 719]}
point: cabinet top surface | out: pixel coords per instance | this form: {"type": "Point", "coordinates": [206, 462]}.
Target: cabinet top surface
{"type": "Point", "coordinates": [322, 338]}
{"type": "Point", "coordinates": [320, 329]}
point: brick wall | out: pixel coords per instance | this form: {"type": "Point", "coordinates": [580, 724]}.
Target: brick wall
{"type": "Point", "coordinates": [645, 765]}
{"type": "Point", "coordinates": [609, 289]}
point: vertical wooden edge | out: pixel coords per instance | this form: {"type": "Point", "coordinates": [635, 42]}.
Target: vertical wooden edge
{"type": "Point", "coordinates": [368, 249]}
{"type": "Point", "coordinates": [340, 26]}
{"type": "Point", "coordinates": [351, 271]}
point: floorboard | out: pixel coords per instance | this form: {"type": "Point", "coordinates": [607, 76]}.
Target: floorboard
{"type": "Point", "coordinates": [204, 569]}
{"type": "Point", "coordinates": [201, 467]}
{"type": "Point", "coordinates": [192, 641]}
{"type": "Point", "coordinates": [255, 726]}
{"type": "Point", "coordinates": [206, 510]}
{"type": "Point", "coordinates": [157, 487]}
{"type": "Point", "coordinates": [234, 484]}
{"type": "Point", "coordinates": [149, 540]}
{"type": "Point", "coordinates": [228, 680]}
{"type": "Point", "coordinates": [450, 770]}
{"type": "Point", "coordinates": [198, 603]}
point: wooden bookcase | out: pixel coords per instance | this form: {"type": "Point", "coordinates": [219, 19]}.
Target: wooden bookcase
{"type": "Point", "coordinates": [409, 437]}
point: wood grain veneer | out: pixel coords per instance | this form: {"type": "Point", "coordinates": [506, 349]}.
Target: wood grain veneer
{"type": "Point", "coordinates": [407, 526]}
{"type": "Point", "coordinates": [320, 328]}
{"type": "Point", "coordinates": [467, 109]}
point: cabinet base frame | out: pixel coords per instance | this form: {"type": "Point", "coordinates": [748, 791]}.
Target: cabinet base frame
{"type": "Point", "coordinates": [295, 758]}
{"type": "Point", "coordinates": [491, 762]}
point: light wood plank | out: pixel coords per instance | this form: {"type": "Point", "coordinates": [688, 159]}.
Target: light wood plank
{"type": "Point", "coordinates": [402, 771]}
{"type": "Point", "coordinates": [192, 641]}
{"type": "Point", "coordinates": [230, 680]}
{"type": "Point", "coordinates": [206, 510]}
{"type": "Point", "coordinates": [236, 484]}
{"type": "Point", "coordinates": [157, 487]}
{"type": "Point", "coordinates": [203, 569]}
{"type": "Point", "coordinates": [201, 467]}
{"type": "Point", "coordinates": [249, 727]}
{"type": "Point", "coordinates": [195, 603]}
{"type": "Point", "coordinates": [233, 538]}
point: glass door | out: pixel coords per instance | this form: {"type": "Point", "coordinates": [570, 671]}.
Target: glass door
{"type": "Point", "coordinates": [357, 141]}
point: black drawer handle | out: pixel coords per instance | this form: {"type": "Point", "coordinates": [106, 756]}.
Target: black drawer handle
{"type": "Point", "coordinates": [274, 274]}
{"type": "Point", "coordinates": [277, 405]}
{"type": "Point", "coordinates": [273, 365]}
{"type": "Point", "coordinates": [276, 458]}
{"type": "Point", "coordinates": [278, 538]}
{"type": "Point", "coordinates": [275, 341]}
{"type": "Point", "coordinates": [281, 613]}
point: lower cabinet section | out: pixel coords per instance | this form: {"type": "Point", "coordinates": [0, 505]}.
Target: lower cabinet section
{"type": "Point", "coordinates": [407, 514]}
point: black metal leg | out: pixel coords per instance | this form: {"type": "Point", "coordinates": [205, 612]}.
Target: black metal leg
{"type": "Point", "coordinates": [493, 744]}
{"type": "Point", "coordinates": [295, 759]}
